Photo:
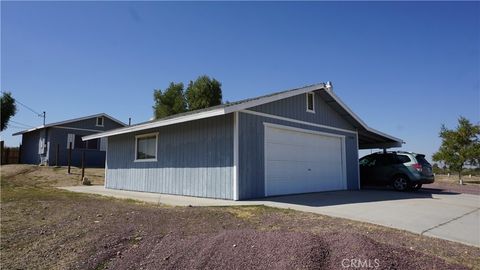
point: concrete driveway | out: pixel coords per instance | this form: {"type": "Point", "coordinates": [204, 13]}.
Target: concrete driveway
{"type": "Point", "coordinates": [447, 215]}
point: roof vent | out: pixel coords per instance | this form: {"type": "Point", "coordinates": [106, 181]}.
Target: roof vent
{"type": "Point", "coordinates": [329, 85]}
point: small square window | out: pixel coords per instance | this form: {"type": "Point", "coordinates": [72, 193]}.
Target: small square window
{"type": "Point", "coordinates": [99, 121]}
{"type": "Point", "coordinates": [146, 147]}
{"type": "Point", "coordinates": [311, 102]}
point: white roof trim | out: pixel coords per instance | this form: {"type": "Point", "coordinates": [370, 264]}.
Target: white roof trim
{"type": "Point", "coordinates": [268, 99]}
{"type": "Point", "coordinates": [159, 123]}
{"type": "Point", "coordinates": [346, 108]}
{"type": "Point", "coordinates": [239, 107]}
{"type": "Point", "coordinates": [70, 121]}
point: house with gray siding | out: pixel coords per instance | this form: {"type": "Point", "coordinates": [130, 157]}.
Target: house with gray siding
{"type": "Point", "coordinates": [296, 141]}
{"type": "Point", "coordinates": [39, 145]}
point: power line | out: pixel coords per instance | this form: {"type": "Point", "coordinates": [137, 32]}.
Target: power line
{"type": "Point", "coordinates": [13, 126]}
{"type": "Point", "coordinates": [32, 110]}
{"type": "Point", "coordinates": [18, 123]}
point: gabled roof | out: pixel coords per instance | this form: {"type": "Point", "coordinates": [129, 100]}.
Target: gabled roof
{"type": "Point", "coordinates": [70, 121]}
{"type": "Point", "coordinates": [324, 90]}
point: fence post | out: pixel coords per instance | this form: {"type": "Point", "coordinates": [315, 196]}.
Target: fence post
{"type": "Point", "coordinates": [7, 154]}
{"type": "Point", "coordinates": [57, 155]}
{"type": "Point", "coordinates": [83, 164]}
{"type": "Point", "coordinates": [1, 153]}
{"type": "Point", "coordinates": [20, 154]}
{"type": "Point", "coordinates": [69, 158]}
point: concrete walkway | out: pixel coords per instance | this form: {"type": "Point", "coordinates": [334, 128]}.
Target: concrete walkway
{"type": "Point", "coordinates": [446, 215]}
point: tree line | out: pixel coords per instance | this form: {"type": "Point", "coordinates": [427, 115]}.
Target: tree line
{"type": "Point", "coordinates": [202, 93]}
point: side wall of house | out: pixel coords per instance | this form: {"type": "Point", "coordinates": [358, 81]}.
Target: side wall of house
{"type": "Point", "coordinates": [251, 139]}
{"type": "Point", "coordinates": [91, 123]}
{"type": "Point", "coordinates": [29, 152]}
{"type": "Point", "coordinates": [193, 158]}
{"type": "Point", "coordinates": [59, 136]}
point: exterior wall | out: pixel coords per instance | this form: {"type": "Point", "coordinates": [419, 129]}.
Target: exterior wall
{"type": "Point", "coordinates": [29, 152]}
{"type": "Point", "coordinates": [295, 108]}
{"type": "Point", "coordinates": [251, 140]}
{"type": "Point", "coordinates": [193, 158]}
{"type": "Point", "coordinates": [90, 123]}
{"type": "Point", "coordinates": [58, 136]}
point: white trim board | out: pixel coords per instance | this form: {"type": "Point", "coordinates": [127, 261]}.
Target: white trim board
{"type": "Point", "coordinates": [303, 130]}
{"type": "Point", "coordinates": [272, 98]}
{"type": "Point", "coordinates": [156, 147]}
{"type": "Point", "coordinates": [236, 195]}
{"type": "Point", "coordinates": [346, 108]}
{"type": "Point", "coordinates": [241, 107]}
{"type": "Point", "coordinates": [71, 121]}
{"type": "Point", "coordinates": [297, 121]}
{"type": "Point", "coordinates": [82, 129]}
{"type": "Point", "coordinates": [313, 102]}
{"type": "Point", "coordinates": [159, 123]}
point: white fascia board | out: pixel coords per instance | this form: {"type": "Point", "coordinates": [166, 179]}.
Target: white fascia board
{"type": "Point", "coordinates": [346, 108]}
{"type": "Point", "coordinates": [159, 123]}
{"type": "Point", "coordinates": [114, 119]}
{"type": "Point", "coordinates": [272, 98]}
{"type": "Point", "coordinates": [70, 121]}
{"type": "Point", "coordinates": [27, 130]}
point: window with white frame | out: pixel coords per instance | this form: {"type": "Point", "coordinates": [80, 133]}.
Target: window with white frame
{"type": "Point", "coordinates": [99, 121]}
{"type": "Point", "coordinates": [311, 102]}
{"type": "Point", "coordinates": [146, 147]}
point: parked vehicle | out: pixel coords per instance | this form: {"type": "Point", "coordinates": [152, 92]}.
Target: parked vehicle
{"type": "Point", "coordinates": [402, 170]}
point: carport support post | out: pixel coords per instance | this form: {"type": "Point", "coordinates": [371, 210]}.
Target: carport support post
{"type": "Point", "coordinates": [69, 159]}
{"type": "Point", "coordinates": [83, 164]}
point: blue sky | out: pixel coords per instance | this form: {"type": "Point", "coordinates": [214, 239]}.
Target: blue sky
{"type": "Point", "coordinates": [404, 68]}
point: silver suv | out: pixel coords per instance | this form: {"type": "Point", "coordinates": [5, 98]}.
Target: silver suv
{"type": "Point", "coordinates": [403, 170]}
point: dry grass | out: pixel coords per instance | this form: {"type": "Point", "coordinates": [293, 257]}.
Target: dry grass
{"type": "Point", "coordinates": [46, 228]}
{"type": "Point", "coordinates": [453, 179]}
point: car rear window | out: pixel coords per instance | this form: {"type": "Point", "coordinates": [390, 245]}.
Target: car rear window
{"type": "Point", "coordinates": [403, 159]}
{"type": "Point", "coordinates": [421, 159]}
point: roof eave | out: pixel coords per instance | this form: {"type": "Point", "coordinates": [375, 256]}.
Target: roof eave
{"type": "Point", "coordinates": [156, 124]}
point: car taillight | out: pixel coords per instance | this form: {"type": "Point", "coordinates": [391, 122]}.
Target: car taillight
{"type": "Point", "coordinates": [417, 166]}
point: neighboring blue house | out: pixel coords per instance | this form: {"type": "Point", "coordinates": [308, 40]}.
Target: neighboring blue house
{"type": "Point", "coordinates": [297, 141]}
{"type": "Point", "coordinates": [39, 145]}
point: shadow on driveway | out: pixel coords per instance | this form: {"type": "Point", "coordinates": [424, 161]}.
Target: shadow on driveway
{"type": "Point", "coordinates": [355, 196]}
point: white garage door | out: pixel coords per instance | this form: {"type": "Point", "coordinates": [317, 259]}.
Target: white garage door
{"type": "Point", "coordinates": [298, 161]}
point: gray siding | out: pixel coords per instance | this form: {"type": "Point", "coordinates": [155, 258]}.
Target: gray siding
{"type": "Point", "coordinates": [194, 159]}
{"type": "Point", "coordinates": [29, 151]}
{"type": "Point", "coordinates": [251, 153]}
{"type": "Point", "coordinates": [90, 123]}
{"type": "Point", "coordinates": [58, 136]}
{"type": "Point", "coordinates": [296, 108]}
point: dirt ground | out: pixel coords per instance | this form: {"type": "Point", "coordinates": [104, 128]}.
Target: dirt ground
{"type": "Point", "coordinates": [46, 228]}
{"type": "Point", "coordinates": [471, 185]}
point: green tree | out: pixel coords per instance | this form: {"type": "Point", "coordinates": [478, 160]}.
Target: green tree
{"type": "Point", "coordinates": [169, 102]}
{"type": "Point", "coordinates": [203, 93]}
{"type": "Point", "coordinates": [8, 109]}
{"type": "Point", "coordinates": [459, 147]}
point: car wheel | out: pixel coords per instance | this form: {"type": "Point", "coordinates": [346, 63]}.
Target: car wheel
{"type": "Point", "coordinates": [400, 183]}
{"type": "Point", "coordinates": [416, 186]}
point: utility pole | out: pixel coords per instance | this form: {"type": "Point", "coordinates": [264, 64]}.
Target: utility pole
{"type": "Point", "coordinates": [44, 117]}
{"type": "Point", "coordinates": [129, 121]}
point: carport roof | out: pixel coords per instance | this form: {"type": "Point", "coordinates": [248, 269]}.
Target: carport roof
{"type": "Point", "coordinates": [367, 136]}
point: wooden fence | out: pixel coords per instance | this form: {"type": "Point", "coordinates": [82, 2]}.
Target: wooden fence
{"type": "Point", "coordinates": [9, 155]}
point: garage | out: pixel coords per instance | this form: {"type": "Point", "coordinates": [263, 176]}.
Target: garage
{"type": "Point", "coordinates": [301, 140]}
{"type": "Point", "coordinates": [300, 161]}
